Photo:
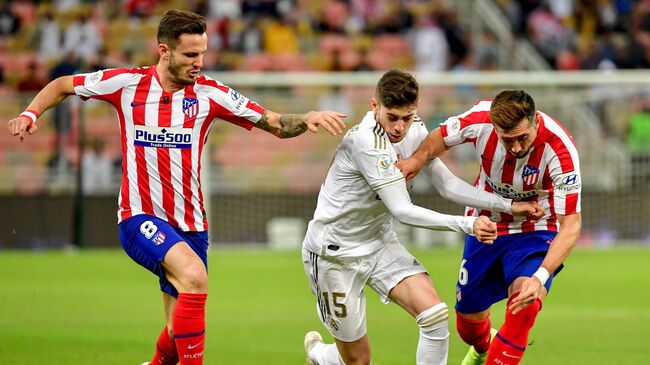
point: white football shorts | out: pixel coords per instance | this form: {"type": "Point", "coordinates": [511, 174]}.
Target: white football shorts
{"type": "Point", "coordinates": [338, 285]}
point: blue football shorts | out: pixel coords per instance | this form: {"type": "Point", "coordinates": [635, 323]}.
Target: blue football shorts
{"type": "Point", "coordinates": [486, 271]}
{"type": "Point", "coordinates": [146, 239]}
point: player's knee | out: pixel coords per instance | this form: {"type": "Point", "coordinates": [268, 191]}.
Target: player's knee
{"type": "Point", "coordinates": [194, 280]}
{"type": "Point", "coordinates": [434, 322]}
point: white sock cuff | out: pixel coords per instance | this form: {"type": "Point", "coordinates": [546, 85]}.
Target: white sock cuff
{"type": "Point", "coordinates": [433, 316]}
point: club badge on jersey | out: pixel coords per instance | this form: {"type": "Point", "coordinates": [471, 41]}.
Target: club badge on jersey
{"type": "Point", "coordinates": [530, 175]}
{"type": "Point", "coordinates": [190, 107]}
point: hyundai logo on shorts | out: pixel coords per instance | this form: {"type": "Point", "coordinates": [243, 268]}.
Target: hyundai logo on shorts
{"type": "Point", "coordinates": [158, 137]}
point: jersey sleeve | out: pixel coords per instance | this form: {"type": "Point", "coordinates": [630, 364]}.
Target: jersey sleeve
{"type": "Point", "coordinates": [375, 159]}
{"type": "Point", "coordinates": [466, 127]}
{"type": "Point", "coordinates": [103, 85]}
{"type": "Point", "coordinates": [564, 171]}
{"type": "Point", "coordinates": [230, 105]}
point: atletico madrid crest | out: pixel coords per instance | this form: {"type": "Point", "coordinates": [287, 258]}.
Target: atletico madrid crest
{"type": "Point", "coordinates": [190, 107]}
{"type": "Point", "coordinates": [530, 175]}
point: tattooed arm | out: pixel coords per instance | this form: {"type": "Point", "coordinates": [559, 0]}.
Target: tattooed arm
{"type": "Point", "coordinates": [291, 125]}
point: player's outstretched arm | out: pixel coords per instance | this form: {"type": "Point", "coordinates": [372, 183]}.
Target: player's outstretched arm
{"type": "Point", "coordinates": [291, 125]}
{"type": "Point", "coordinates": [433, 146]}
{"type": "Point", "coordinates": [51, 95]}
{"type": "Point", "coordinates": [455, 189]}
{"type": "Point", "coordinates": [397, 200]}
{"type": "Point", "coordinates": [561, 246]}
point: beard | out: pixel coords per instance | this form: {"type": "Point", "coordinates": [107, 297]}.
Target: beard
{"type": "Point", "coordinates": [175, 72]}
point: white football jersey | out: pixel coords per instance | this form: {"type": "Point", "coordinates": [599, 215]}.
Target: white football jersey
{"type": "Point", "coordinates": [350, 220]}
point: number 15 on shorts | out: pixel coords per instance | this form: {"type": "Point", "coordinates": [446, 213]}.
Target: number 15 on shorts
{"type": "Point", "coordinates": [337, 302]}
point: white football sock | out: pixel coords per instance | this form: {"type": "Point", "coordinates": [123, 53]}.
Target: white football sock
{"type": "Point", "coordinates": [433, 345]}
{"type": "Point", "coordinates": [325, 354]}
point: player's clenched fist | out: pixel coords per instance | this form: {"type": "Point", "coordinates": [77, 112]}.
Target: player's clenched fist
{"type": "Point", "coordinates": [533, 210]}
{"type": "Point", "coordinates": [21, 125]}
{"type": "Point", "coordinates": [485, 230]}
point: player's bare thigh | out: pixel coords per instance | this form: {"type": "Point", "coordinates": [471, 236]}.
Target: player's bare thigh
{"type": "Point", "coordinates": [415, 294]}
{"type": "Point", "coordinates": [185, 270]}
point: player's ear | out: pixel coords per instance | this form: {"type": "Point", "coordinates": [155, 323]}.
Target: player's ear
{"type": "Point", "coordinates": [374, 105]}
{"type": "Point", "coordinates": [163, 50]}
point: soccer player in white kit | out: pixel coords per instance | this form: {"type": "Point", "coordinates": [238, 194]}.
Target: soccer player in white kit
{"type": "Point", "coordinates": [350, 241]}
{"type": "Point", "coordinates": [165, 112]}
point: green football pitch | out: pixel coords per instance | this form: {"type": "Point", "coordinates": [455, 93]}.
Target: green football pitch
{"type": "Point", "coordinates": [98, 307]}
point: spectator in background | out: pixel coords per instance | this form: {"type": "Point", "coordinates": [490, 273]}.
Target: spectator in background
{"type": "Point", "coordinates": [140, 9]}
{"type": "Point", "coordinates": [97, 169]}
{"type": "Point", "coordinates": [9, 23]}
{"type": "Point", "coordinates": [82, 38]}
{"type": "Point", "coordinates": [62, 113]}
{"type": "Point", "coordinates": [335, 100]}
{"type": "Point", "coordinates": [429, 45]}
{"type": "Point", "coordinates": [32, 82]}
{"type": "Point", "coordinates": [48, 37]}
{"type": "Point", "coordinates": [65, 5]}
{"type": "Point", "coordinates": [280, 37]}
{"type": "Point", "coordinates": [456, 35]}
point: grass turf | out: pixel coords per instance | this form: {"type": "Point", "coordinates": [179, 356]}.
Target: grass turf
{"type": "Point", "coordinates": [99, 307]}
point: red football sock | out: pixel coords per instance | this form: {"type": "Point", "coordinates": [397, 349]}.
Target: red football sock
{"type": "Point", "coordinates": [510, 343]}
{"type": "Point", "coordinates": [474, 332]}
{"type": "Point", "coordinates": [188, 323]}
{"type": "Point", "coordinates": [166, 353]}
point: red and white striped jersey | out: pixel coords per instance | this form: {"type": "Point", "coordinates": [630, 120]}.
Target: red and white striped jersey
{"type": "Point", "coordinates": [163, 135]}
{"type": "Point", "coordinates": [548, 174]}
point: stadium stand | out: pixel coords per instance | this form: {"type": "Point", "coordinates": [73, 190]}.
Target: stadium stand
{"type": "Point", "coordinates": [348, 36]}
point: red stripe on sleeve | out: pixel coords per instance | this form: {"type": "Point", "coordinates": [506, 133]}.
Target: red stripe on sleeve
{"type": "Point", "coordinates": [563, 154]}
{"type": "Point", "coordinates": [220, 112]}
{"type": "Point", "coordinates": [571, 206]}
{"type": "Point", "coordinates": [78, 80]}
{"type": "Point", "coordinates": [255, 106]}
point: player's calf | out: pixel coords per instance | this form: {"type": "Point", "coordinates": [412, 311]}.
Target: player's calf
{"type": "Point", "coordinates": [510, 343]}
{"type": "Point", "coordinates": [475, 333]}
{"type": "Point", "coordinates": [433, 345]}
{"type": "Point", "coordinates": [166, 353]}
{"type": "Point", "coordinates": [188, 323]}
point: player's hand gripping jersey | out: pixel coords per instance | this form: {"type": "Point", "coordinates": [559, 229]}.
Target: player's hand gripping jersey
{"type": "Point", "coordinates": [548, 174]}
{"type": "Point", "coordinates": [163, 135]}
{"type": "Point", "coordinates": [351, 220]}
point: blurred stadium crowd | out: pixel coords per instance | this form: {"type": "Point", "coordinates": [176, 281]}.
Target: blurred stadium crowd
{"type": "Point", "coordinates": [41, 40]}
{"type": "Point", "coordinates": [323, 35]}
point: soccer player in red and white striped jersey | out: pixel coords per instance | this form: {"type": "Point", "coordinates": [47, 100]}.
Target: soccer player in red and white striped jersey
{"type": "Point", "coordinates": [165, 113]}
{"type": "Point", "coordinates": [524, 155]}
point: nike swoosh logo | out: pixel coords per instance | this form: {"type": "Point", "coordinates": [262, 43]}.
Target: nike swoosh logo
{"type": "Point", "coordinates": [133, 105]}
{"type": "Point", "coordinates": [189, 347]}
{"type": "Point", "coordinates": [485, 158]}
{"type": "Point", "coordinates": [505, 353]}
